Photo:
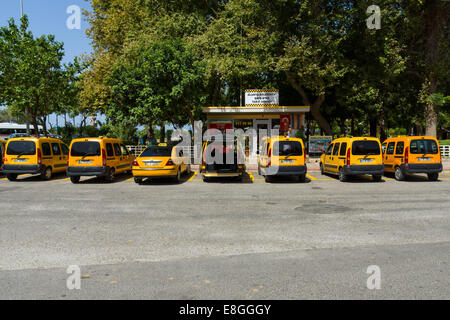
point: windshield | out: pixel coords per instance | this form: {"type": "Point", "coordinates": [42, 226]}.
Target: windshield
{"type": "Point", "coordinates": [16, 148]}
{"type": "Point", "coordinates": [424, 146]}
{"type": "Point", "coordinates": [157, 152]}
{"type": "Point", "coordinates": [288, 148]}
{"type": "Point", "coordinates": [85, 148]}
{"type": "Point", "coordinates": [365, 147]}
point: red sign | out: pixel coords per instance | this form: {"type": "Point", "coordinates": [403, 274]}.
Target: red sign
{"type": "Point", "coordinates": [222, 126]}
{"type": "Point", "coordinates": [285, 122]}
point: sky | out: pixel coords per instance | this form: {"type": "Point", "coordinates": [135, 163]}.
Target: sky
{"type": "Point", "coordinates": [50, 17]}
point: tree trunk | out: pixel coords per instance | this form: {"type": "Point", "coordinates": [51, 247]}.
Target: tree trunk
{"type": "Point", "coordinates": [431, 113]}
{"type": "Point", "coordinates": [436, 18]}
{"type": "Point", "coordinates": [162, 133]}
{"type": "Point", "coordinates": [44, 125]}
{"type": "Point", "coordinates": [315, 107]}
{"type": "Point", "coordinates": [382, 125]}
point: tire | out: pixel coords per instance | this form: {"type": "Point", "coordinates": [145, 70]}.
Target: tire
{"type": "Point", "coordinates": [342, 176]}
{"type": "Point", "coordinates": [302, 178]}
{"type": "Point", "coordinates": [138, 180]}
{"type": "Point", "coordinates": [267, 178]}
{"type": "Point", "coordinates": [321, 169]}
{"type": "Point", "coordinates": [177, 178]}
{"type": "Point", "coordinates": [433, 176]}
{"type": "Point", "coordinates": [188, 170]}
{"type": "Point", "coordinates": [11, 176]}
{"type": "Point", "coordinates": [399, 175]}
{"type": "Point", "coordinates": [376, 178]}
{"type": "Point", "coordinates": [239, 178]}
{"type": "Point", "coordinates": [205, 179]}
{"type": "Point", "coordinates": [46, 174]}
{"type": "Point", "coordinates": [75, 179]}
{"type": "Point", "coordinates": [259, 170]}
{"type": "Point", "coordinates": [110, 175]}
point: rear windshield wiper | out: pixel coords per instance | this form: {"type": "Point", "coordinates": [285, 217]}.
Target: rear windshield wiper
{"type": "Point", "coordinates": [21, 154]}
{"type": "Point", "coordinates": [89, 154]}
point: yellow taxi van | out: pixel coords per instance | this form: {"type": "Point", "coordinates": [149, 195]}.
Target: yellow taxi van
{"type": "Point", "coordinates": [413, 154]}
{"type": "Point", "coordinates": [161, 161]}
{"type": "Point", "coordinates": [31, 155]}
{"type": "Point", "coordinates": [102, 157]}
{"type": "Point", "coordinates": [221, 159]}
{"type": "Point", "coordinates": [350, 156]}
{"type": "Point", "coordinates": [282, 156]}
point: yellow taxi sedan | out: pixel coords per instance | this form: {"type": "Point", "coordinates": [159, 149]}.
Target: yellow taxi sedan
{"type": "Point", "coordinates": [162, 161]}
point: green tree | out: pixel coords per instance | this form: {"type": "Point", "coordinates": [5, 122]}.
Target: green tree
{"type": "Point", "coordinates": [156, 82]}
{"type": "Point", "coordinates": [32, 78]}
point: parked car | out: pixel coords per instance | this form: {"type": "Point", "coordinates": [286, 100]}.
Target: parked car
{"type": "Point", "coordinates": [352, 156]}
{"type": "Point", "coordinates": [282, 156]}
{"type": "Point", "coordinates": [414, 154]}
{"type": "Point", "coordinates": [221, 159]}
{"type": "Point", "coordinates": [102, 157]}
{"type": "Point", "coordinates": [162, 161]}
{"type": "Point", "coordinates": [29, 155]}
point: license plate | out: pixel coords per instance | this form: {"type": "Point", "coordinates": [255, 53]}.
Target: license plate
{"type": "Point", "coordinates": [151, 163]}
{"type": "Point", "coordinates": [20, 160]}
{"type": "Point", "coordinates": [287, 161]}
{"type": "Point", "coordinates": [365, 160]}
{"type": "Point", "coordinates": [423, 159]}
{"type": "Point", "coordinates": [85, 161]}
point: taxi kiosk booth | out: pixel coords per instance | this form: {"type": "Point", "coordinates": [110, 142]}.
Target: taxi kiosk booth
{"type": "Point", "coordinates": [261, 111]}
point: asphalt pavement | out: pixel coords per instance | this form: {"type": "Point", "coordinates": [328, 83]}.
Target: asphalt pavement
{"type": "Point", "coordinates": [225, 239]}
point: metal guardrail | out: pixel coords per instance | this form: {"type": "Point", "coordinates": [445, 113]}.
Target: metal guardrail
{"type": "Point", "coordinates": [445, 151]}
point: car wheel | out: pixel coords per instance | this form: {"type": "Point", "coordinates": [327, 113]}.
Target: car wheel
{"type": "Point", "coordinates": [342, 176]}
{"type": "Point", "coordinates": [188, 170]}
{"type": "Point", "coordinates": [138, 180]}
{"type": "Point", "coordinates": [259, 170]}
{"type": "Point", "coordinates": [110, 175]}
{"type": "Point", "coordinates": [267, 178]}
{"type": "Point", "coordinates": [302, 178]}
{"type": "Point", "coordinates": [433, 176]}
{"type": "Point", "coordinates": [399, 175]}
{"type": "Point", "coordinates": [75, 179]}
{"type": "Point", "coordinates": [376, 178]}
{"type": "Point", "coordinates": [178, 176]}
{"type": "Point", "coordinates": [46, 173]}
{"type": "Point", "coordinates": [11, 177]}
{"type": "Point", "coordinates": [321, 169]}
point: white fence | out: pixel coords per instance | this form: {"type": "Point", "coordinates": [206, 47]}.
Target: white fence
{"type": "Point", "coordinates": [136, 150]}
{"type": "Point", "coordinates": [445, 151]}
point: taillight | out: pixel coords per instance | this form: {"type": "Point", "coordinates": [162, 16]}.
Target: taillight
{"type": "Point", "coordinates": [348, 156]}
{"type": "Point", "coordinates": [270, 157]}
{"type": "Point", "coordinates": [4, 156]}
{"type": "Point", "coordinates": [304, 155]}
{"type": "Point", "coordinates": [39, 156]}
{"type": "Point", "coordinates": [407, 155]}
{"type": "Point", "coordinates": [135, 163]}
{"type": "Point", "coordinates": [170, 163]}
{"type": "Point", "coordinates": [104, 157]}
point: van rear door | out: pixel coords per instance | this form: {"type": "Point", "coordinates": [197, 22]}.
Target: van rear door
{"type": "Point", "coordinates": [21, 152]}
{"type": "Point", "coordinates": [366, 152]}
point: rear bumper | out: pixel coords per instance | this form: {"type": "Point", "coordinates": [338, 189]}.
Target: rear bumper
{"type": "Point", "coordinates": [285, 171]}
{"type": "Point", "coordinates": [221, 175]}
{"type": "Point", "coordinates": [155, 173]}
{"type": "Point", "coordinates": [86, 171]}
{"type": "Point", "coordinates": [421, 168]}
{"type": "Point", "coordinates": [21, 169]}
{"type": "Point", "coordinates": [351, 170]}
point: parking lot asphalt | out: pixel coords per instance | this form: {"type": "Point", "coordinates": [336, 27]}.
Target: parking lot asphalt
{"type": "Point", "coordinates": [225, 239]}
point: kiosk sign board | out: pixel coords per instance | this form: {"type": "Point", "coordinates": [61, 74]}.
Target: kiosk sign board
{"type": "Point", "coordinates": [263, 97]}
{"type": "Point", "coordinates": [319, 144]}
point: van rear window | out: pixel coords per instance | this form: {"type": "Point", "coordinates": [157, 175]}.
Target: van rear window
{"type": "Point", "coordinates": [365, 147]}
{"type": "Point", "coordinates": [288, 148]}
{"type": "Point", "coordinates": [85, 148]}
{"type": "Point", "coordinates": [424, 146]}
{"type": "Point", "coordinates": [23, 148]}
{"type": "Point", "coordinates": [157, 152]}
